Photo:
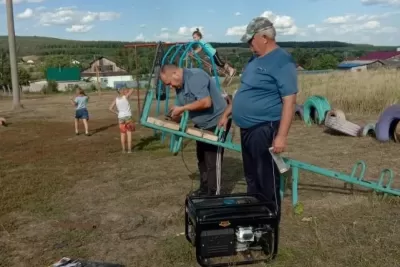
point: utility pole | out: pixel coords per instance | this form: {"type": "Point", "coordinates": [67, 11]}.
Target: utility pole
{"type": "Point", "coordinates": [13, 56]}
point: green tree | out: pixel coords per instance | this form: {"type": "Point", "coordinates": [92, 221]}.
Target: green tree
{"type": "Point", "coordinates": [327, 61]}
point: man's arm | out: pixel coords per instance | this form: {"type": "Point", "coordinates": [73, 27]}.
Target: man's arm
{"type": "Point", "coordinates": [287, 84]}
{"type": "Point", "coordinates": [199, 86]}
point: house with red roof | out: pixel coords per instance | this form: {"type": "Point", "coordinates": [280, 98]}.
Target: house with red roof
{"type": "Point", "coordinates": [381, 55]}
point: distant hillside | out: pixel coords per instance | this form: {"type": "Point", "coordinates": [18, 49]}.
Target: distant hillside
{"type": "Point", "coordinates": [43, 46]}
{"type": "Point", "coordinates": [49, 52]}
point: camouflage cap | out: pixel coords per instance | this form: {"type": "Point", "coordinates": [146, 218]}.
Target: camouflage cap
{"type": "Point", "coordinates": [256, 25]}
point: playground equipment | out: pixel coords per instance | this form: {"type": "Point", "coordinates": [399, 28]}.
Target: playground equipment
{"type": "Point", "coordinates": [315, 108]}
{"type": "Point", "coordinates": [228, 78]}
{"type": "Point", "coordinates": [387, 125]}
{"type": "Point", "coordinates": [336, 120]}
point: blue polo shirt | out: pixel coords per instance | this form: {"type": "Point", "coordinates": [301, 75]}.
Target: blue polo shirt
{"type": "Point", "coordinates": [264, 82]}
{"type": "Point", "coordinates": [197, 84]}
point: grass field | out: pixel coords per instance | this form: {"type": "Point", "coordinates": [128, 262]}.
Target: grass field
{"type": "Point", "coordinates": [78, 196]}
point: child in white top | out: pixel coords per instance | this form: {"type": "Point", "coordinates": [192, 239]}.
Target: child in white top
{"type": "Point", "coordinates": [124, 112]}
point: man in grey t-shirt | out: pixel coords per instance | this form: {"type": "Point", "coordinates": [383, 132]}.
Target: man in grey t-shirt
{"type": "Point", "coordinates": [198, 94]}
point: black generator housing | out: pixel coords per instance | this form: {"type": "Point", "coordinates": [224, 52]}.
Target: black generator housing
{"type": "Point", "coordinates": [231, 225]}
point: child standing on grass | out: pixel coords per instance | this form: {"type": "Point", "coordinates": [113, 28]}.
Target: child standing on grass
{"type": "Point", "coordinates": [126, 124]}
{"type": "Point", "coordinates": [81, 113]}
{"type": "Point", "coordinates": [211, 51]}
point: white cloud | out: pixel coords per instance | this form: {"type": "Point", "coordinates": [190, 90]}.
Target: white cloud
{"type": "Point", "coordinates": [338, 19]}
{"type": "Point", "coordinates": [236, 30]}
{"type": "Point", "coordinates": [76, 20]}
{"type": "Point", "coordinates": [142, 26]}
{"type": "Point", "coordinates": [238, 14]}
{"type": "Point", "coordinates": [79, 28]}
{"type": "Point", "coordinates": [381, 2]}
{"type": "Point", "coordinates": [353, 18]}
{"type": "Point", "coordinates": [183, 33]}
{"type": "Point", "coordinates": [28, 13]}
{"type": "Point", "coordinates": [101, 16]}
{"type": "Point", "coordinates": [187, 31]}
{"type": "Point", "coordinates": [164, 36]}
{"type": "Point", "coordinates": [284, 25]}
{"type": "Point", "coordinates": [356, 28]}
{"type": "Point", "coordinates": [140, 37]}
{"type": "Point", "coordinates": [389, 29]}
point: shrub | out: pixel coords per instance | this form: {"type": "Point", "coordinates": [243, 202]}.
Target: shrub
{"type": "Point", "coordinates": [50, 87]}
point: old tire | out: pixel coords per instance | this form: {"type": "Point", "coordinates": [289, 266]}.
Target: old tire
{"type": "Point", "coordinates": [342, 126]}
{"type": "Point", "coordinates": [368, 129]}
{"type": "Point", "coordinates": [387, 123]}
{"type": "Point", "coordinates": [337, 113]}
{"type": "Point", "coordinates": [299, 111]}
{"type": "Point", "coordinates": [317, 107]}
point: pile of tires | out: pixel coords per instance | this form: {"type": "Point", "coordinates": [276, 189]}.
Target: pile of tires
{"type": "Point", "coordinates": [317, 110]}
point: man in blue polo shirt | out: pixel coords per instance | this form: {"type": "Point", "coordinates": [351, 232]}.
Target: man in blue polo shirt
{"type": "Point", "coordinates": [198, 94]}
{"type": "Point", "coordinates": [263, 108]}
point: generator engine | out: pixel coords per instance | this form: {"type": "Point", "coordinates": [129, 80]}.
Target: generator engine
{"type": "Point", "coordinates": [249, 238]}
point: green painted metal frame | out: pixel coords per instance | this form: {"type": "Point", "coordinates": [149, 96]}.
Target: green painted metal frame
{"type": "Point", "coordinates": [296, 166]}
{"type": "Point", "coordinates": [353, 179]}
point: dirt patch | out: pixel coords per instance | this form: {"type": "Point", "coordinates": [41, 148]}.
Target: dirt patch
{"type": "Point", "coordinates": [78, 196]}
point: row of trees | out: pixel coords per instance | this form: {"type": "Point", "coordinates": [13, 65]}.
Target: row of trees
{"type": "Point", "coordinates": [139, 61]}
{"type": "Point", "coordinates": [5, 73]}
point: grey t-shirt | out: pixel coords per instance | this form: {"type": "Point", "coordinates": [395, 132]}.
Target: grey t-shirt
{"type": "Point", "coordinates": [197, 84]}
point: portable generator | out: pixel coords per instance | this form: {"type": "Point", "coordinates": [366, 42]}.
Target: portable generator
{"type": "Point", "coordinates": [231, 229]}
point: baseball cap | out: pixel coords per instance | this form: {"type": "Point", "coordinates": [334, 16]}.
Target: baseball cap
{"type": "Point", "coordinates": [256, 25]}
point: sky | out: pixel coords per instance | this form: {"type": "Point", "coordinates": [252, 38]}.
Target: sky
{"type": "Point", "coordinates": [374, 22]}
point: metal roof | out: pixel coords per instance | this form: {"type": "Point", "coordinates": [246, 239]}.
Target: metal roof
{"type": "Point", "coordinates": [355, 63]}
{"type": "Point", "coordinates": [380, 55]}
{"type": "Point", "coordinates": [63, 74]}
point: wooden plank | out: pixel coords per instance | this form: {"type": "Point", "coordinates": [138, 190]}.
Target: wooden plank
{"type": "Point", "coordinates": [203, 134]}
{"type": "Point", "coordinates": [164, 123]}
{"type": "Point", "coordinates": [175, 126]}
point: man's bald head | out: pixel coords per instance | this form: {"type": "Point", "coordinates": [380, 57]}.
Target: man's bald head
{"type": "Point", "coordinates": [171, 75]}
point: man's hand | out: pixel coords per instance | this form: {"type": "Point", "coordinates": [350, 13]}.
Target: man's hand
{"type": "Point", "coordinates": [279, 144]}
{"type": "Point", "coordinates": [223, 121]}
{"type": "Point", "coordinates": [176, 111]}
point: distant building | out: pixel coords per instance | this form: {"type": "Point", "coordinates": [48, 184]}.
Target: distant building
{"type": "Point", "coordinates": [381, 55]}
{"type": "Point", "coordinates": [107, 73]}
{"type": "Point", "coordinates": [360, 65]}
{"type": "Point", "coordinates": [66, 79]}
